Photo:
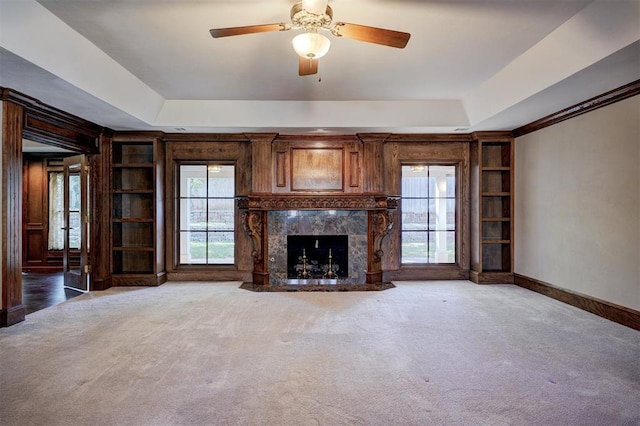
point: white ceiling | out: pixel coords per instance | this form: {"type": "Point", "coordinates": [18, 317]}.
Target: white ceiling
{"type": "Point", "coordinates": [469, 65]}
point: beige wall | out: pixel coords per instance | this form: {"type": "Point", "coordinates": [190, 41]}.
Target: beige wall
{"type": "Point", "coordinates": [577, 215]}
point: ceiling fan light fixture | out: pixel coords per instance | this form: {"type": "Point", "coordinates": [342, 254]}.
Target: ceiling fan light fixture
{"type": "Point", "coordinates": [311, 45]}
{"type": "Point", "coordinates": [317, 7]}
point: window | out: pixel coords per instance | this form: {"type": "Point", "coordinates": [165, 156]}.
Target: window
{"type": "Point", "coordinates": [56, 211]}
{"type": "Point", "coordinates": [428, 205]}
{"type": "Point", "coordinates": [206, 214]}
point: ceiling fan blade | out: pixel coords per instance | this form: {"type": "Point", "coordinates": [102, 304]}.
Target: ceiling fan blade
{"type": "Point", "coordinates": [371, 34]}
{"type": "Point", "coordinates": [307, 66]}
{"type": "Point", "coordinates": [251, 29]}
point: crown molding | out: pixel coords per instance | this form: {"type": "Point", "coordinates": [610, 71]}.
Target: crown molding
{"type": "Point", "coordinates": [607, 98]}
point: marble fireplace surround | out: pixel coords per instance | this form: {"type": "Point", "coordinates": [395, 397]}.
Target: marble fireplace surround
{"type": "Point", "coordinates": [285, 223]}
{"type": "Point", "coordinates": [365, 218]}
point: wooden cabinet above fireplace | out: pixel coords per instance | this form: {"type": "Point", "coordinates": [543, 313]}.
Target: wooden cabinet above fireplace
{"type": "Point", "coordinates": [330, 166]}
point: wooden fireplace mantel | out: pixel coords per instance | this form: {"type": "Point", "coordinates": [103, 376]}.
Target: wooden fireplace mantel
{"type": "Point", "coordinates": [254, 209]}
{"type": "Point", "coordinates": [318, 202]}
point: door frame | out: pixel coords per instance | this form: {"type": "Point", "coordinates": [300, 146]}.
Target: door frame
{"type": "Point", "coordinates": [24, 117]}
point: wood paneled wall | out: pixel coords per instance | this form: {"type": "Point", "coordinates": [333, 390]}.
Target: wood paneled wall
{"type": "Point", "coordinates": [230, 149]}
{"type": "Point", "coordinates": [427, 149]}
{"type": "Point", "coordinates": [100, 211]}
{"type": "Point", "coordinates": [35, 217]}
{"type": "Point", "coordinates": [345, 165]}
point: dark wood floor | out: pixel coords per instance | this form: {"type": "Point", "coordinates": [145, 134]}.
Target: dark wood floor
{"type": "Point", "coordinates": [40, 291]}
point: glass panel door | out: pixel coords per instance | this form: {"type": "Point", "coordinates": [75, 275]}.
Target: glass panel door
{"type": "Point", "coordinates": [76, 223]}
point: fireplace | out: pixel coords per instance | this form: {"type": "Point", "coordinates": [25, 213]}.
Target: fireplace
{"type": "Point", "coordinates": [352, 227]}
{"type": "Point", "coordinates": [312, 233]}
{"type": "Point", "coordinates": [317, 256]}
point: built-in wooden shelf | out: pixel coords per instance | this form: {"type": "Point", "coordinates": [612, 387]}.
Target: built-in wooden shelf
{"type": "Point", "coordinates": [136, 234]}
{"type": "Point", "coordinates": [492, 220]}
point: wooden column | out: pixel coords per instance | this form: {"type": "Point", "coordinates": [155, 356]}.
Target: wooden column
{"type": "Point", "coordinates": [100, 210]}
{"type": "Point", "coordinates": [372, 171]}
{"type": "Point", "coordinates": [255, 222]}
{"type": "Point", "coordinates": [261, 164]}
{"type": "Point", "coordinates": [12, 310]}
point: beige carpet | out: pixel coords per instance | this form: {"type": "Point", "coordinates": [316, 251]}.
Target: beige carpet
{"type": "Point", "coordinates": [423, 353]}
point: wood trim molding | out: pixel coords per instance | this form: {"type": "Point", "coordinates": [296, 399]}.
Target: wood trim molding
{"type": "Point", "coordinates": [608, 310]}
{"type": "Point", "coordinates": [46, 124]}
{"type": "Point", "coordinates": [13, 315]}
{"type": "Point", "coordinates": [426, 273]}
{"type": "Point", "coordinates": [202, 137]}
{"type": "Point", "coordinates": [427, 137]}
{"type": "Point", "coordinates": [373, 137]}
{"type": "Point", "coordinates": [304, 140]}
{"type": "Point", "coordinates": [608, 98]}
{"type": "Point", "coordinates": [488, 136]}
{"type": "Point", "coordinates": [491, 277]}
{"type": "Point", "coordinates": [318, 202]}
{"type": "Point", "coordinates": [137, 135]}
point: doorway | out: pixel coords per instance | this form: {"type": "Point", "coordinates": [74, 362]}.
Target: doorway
{"type": "Point", "coordinates": [55, 229]}
{"type": "Point", "coordinates": [27, 119]}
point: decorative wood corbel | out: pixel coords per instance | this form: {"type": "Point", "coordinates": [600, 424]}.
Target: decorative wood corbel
{"type": "Point", "coordinates": [382, 224]}
{"type": "Point", "coordinates": [252, 224]}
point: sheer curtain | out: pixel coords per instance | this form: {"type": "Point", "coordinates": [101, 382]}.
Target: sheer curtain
{"type": "Point", "coordinates": [56, 211]}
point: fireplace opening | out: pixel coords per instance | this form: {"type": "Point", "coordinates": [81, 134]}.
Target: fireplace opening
{"type": "Point", "coordinates": [317, 256]}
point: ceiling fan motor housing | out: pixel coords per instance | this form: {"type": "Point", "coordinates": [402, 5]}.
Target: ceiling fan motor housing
{"type": "Point", "coordinates": [300, 18]}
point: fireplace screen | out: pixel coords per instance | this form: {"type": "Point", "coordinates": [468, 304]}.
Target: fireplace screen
{"type": "Point", "coordinates": [317, 256]}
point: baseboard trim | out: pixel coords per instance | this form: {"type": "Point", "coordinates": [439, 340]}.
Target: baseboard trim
{"type": "Point", "coordinates": [491, 277]}
{"type": "Point", "coordinates": [13, 315]}
{"type": "Point", "coordinates": [100, 284]}
{"type": "Point", "coordinates": [426, 274]}
{"type": "Point", "coordinates": [142, 280]}
{"type": "Point", "coordinates": [616, 313]}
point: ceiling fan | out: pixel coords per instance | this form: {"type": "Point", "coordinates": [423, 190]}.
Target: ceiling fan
{"type": "Point", "coordinates": [311, 16]}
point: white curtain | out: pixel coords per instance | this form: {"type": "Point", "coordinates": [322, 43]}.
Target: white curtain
{"type": "Point", "coordinates": [56, 211]}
